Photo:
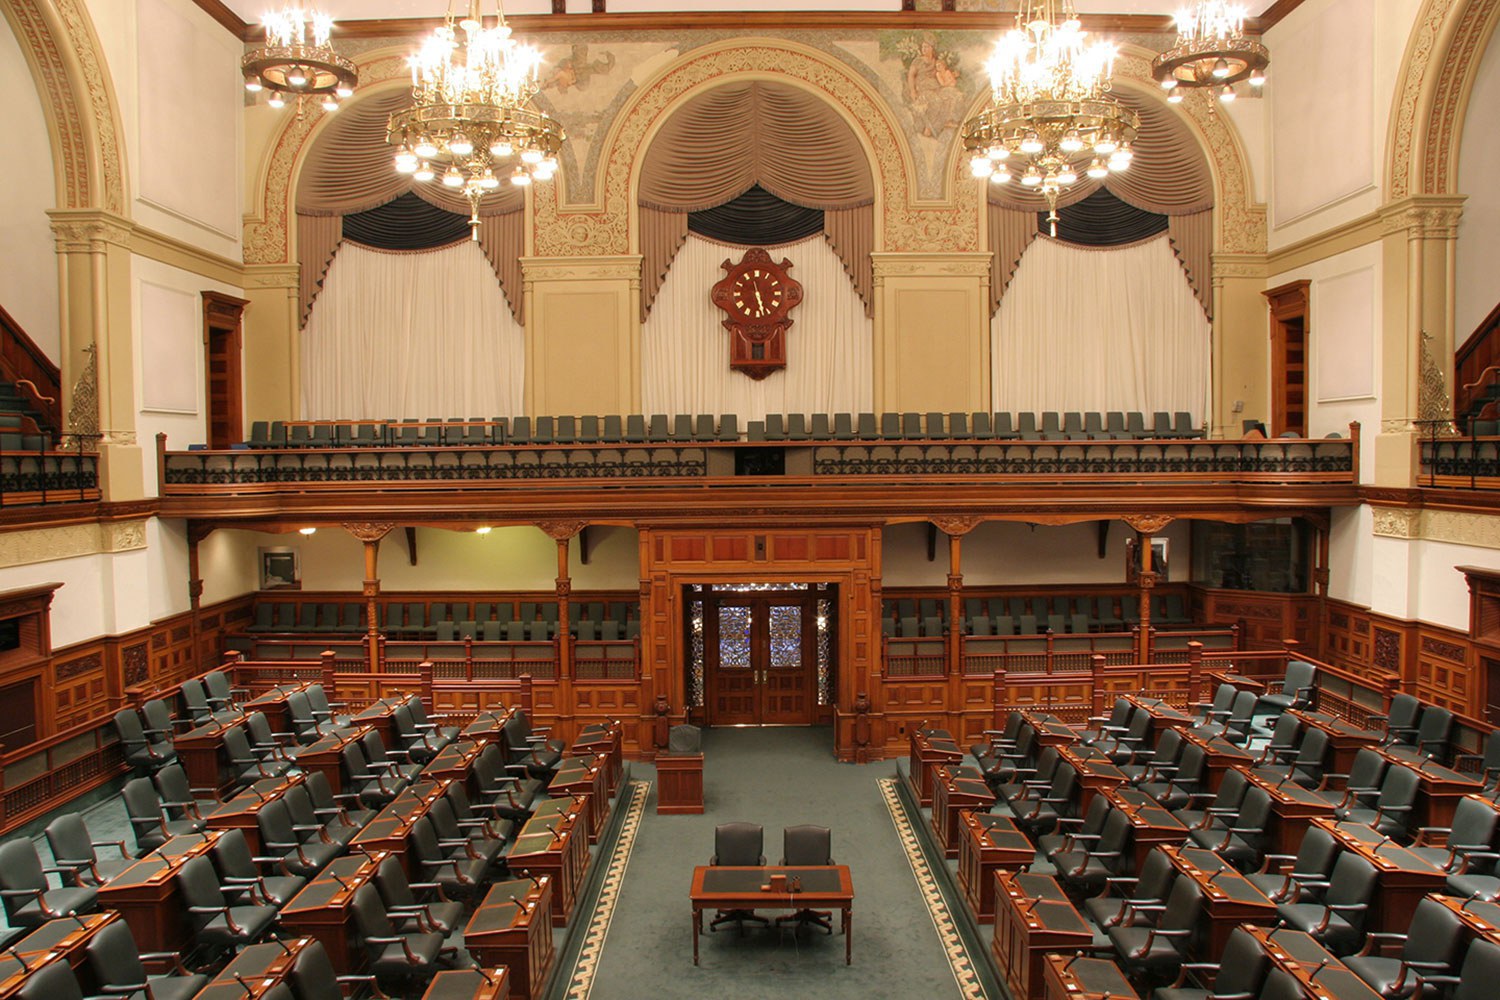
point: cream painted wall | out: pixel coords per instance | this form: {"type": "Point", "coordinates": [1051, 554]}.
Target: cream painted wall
{"type": "Point", "coordinates": [1479, 230]}
{"type": "Point", "coordinates": [1335, 63]}
{"type": "Point", "coordinates": [227, 560]}
{"type": "Point", "coordinates": [183, 133]}
{"type": "Point", "coordinates": [28, 281]}
{"type": "Point", "coordinates": [1350, 558]}
{"type": "Point", "coordinates": [1006, 553]}
{"type": "Point", "coordinates": [508, 558]}
{"type": "Point", "coordinates": [168, 337]}
{"type": "Point", "coordinates": [1443, 595]}
{"type": "Point", "coordinates": [1343, 332]}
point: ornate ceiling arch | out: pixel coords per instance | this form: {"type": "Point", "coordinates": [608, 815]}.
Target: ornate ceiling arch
{"type": "Point", "coordinates": [1443, 52]}
{"type": "Point", "coordinates": [63, 53]}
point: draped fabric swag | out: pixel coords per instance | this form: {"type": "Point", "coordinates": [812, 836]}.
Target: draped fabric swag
{"type": "Point", "coordinates": [348, 170]}
{"type": "Point", "coordinates": [1169, 176]}
{"type": "Point", "coordinates": [685, 348]}
{"type": "Point", "coordinates": [409, 334]}
{"type": "Point", "coordinates": [723, 142]}
{"type": "Point", "coordinates": [1112, 329]}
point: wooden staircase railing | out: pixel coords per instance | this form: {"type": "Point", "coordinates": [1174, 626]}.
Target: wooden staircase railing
{"type": "Point", "coordinates": [1480, 352]}
{"type": "Point", "coordinates": [25, 364]}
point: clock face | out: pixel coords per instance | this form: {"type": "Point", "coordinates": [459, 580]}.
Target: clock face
{"type": "Point", "coordinates": [757, 293]}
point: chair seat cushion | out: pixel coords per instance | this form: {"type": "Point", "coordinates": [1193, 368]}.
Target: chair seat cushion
{"type": "Point", "coordinates": [175, 987]}
{"type": "Point", "coordinates": [65, 902]}
{"type": "Point", "coordinates": [392, 960]}
{"type": "Point", "coordinates": [1129, 942]}
{"type": "Point", "coordinates": [1379, 972]}
{"type": "Point", "coordinates": [1341, 937]}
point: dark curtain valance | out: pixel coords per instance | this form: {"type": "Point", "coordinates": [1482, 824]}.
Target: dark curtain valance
{"type": "Point", "coordinates": [406, 223]}
{"type": "Point", "coordinates": [1102, 220]}
{"type": "Point", "coordinates": [756, 218]}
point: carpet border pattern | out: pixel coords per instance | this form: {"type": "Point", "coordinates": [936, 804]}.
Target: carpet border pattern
{"type": "Point", "coordinates": [959, 960]}
{"type": "Point", "coordinates": [592, 946]}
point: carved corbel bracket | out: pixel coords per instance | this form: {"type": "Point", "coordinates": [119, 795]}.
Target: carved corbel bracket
{"type": "Point", "coordinates": [1148, 524]}
{"type": "Point", "coordinates": [369, 531]}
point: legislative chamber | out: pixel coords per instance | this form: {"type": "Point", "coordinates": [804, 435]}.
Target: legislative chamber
{"type": "Point", "coordinates": [485, 484]}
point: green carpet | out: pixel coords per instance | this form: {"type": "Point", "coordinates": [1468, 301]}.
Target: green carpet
{"type": "Point", "coordinates": [778, 778]}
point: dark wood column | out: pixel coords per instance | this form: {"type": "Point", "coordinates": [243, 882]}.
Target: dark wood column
{"type": "Point", "coordinates": [371, 532]}
{"type": "Point", "coordinates": [1146, 526]}
{"type": "Point", "coordinates": [562, 533]}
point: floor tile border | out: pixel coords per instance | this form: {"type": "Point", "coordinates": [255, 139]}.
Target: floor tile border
{"type": "Point", "coordinates": [592, 946]}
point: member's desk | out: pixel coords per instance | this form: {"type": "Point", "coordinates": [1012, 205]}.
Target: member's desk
{"type": "Point", "coordinates": [513, 927]}
{"type": "Point", "coordinates": [1096, 772]}
{"type": "Point", "coordinates": [1403, 878]}
{"type": "Point", "coordinates": [824, 887]}
{"type": "Point", "coordinates": [555, 846]}
{"type": "Point", "coordinates": [1480, 918]}
{"type": "Point", "coordinates": [63, 940]}
{"type": "Point", "coordinates": [255, 971]}
{"type": "Point", "coordinates": [1150, 823]}
{"type": "Point", "coordinates": [930, 748]}
{"type": "Point", "coordinates": [1319, 975]}
{"type": "Point", "coordinates": [1070, 977]}
{"type": "Point", "coordinates": [608, 738]}
{"type": "Point", "coordinates": [1292, 808]}
{"type": "Point", "coordinates": [272, 704]}
{"type": "Point", "coordinates": [1237, 681]}
{"type": "Point", "coordinates": [146, 895]}
{"type": "Point", "coordinates": [1219, 756]}
{"type": "Point", "coordinates": [988, 842]}
{"type": "Point", "coordinates": [1031, 920]}
{"type": "Point", "coordinates": [1050, 731]}
{"type": "Point", "coordinates": [1438, 788]}
{"type": "Point", "coordinates": [470, 984]}
{"type": "Point", "coordinates": [1229, 899]}
{"type": "Point", "coordinates": [323, 909]}
{"type": "Point", "coordinates": [241, 812]}
{"type": "Point", "coordinates": [324, 757]}
{"type": "Point", "coordinates": [957, 790]}
{"type": "Point", "coordinates": [380, 716]}
{"type": "Point", "coordinates": [199, 750]}
{"type": "Point", "coordinates": [679, 783]}
{"type": "Point", "coordinates": [389, 828]}
{"type": "Point", "coordinates": [1345, 739]}
{"type": "Point", "coordinates": [456, 760]}
{"type": "Point", "coordinates": [1163, 716]}
{"type": "Point", "coordinates": [585, 778]}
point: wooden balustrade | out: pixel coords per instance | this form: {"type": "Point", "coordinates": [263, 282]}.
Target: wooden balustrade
{"type": "Point", "coordinates": [1478, 353]}
{"type": "Point", "coordinates": [43, 775]}
{"type": "Point", "coordinates": [27, 365]}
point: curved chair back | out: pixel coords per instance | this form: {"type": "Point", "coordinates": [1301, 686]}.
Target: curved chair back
{"type": "Point", "coordinates": [739, 844]}
{"type": "Point", "coordinates": [807, 845]}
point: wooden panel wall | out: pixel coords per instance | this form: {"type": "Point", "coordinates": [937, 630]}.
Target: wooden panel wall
{"type": "Point", "coordinates": [1437, 664]}
{"type": "Point", "coordinates": [1267, 618]}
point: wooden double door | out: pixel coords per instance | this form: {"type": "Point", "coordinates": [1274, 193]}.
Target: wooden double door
{"type": "Point", "coordinates": [760, 658]}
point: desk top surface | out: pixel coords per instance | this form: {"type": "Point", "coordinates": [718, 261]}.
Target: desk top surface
{"type": "Point", "coordinates": [1142, 809]}
{"type": "Point", "coordinates": [1335, 726]}
{"type": "Point", "coordinates": [1378, 849]}
{"type": "Point", "coordinates": [161, 865]}
{"type": "Point", "coordinates": [1216, 878]}
{"type": "Point", "coordinates": [254, 971]}
{"type": "Point", "coordinates": [468, 984]}
{"type": "Point", "coordinates": [1430, 772]}
{"type": "Point", "coordinates": [711, 882]}
{"type": "Point", "coordinates": [334, 887]}
{"type": "Point", "coordinates": [1158, 709]}
{"type": "Point", "coordinates": [508, 905]}
{"type": "Point", "coordinates": [1324, 976]}
{"type": "Point", "coordinates": [277, 695]}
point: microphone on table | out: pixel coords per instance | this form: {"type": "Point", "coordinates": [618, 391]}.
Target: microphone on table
{"type": "Point", "coordinates": [13, 953]}
{"type": "Point", "coordinates": [249, 991]}
{"type": "Point", "coordinates": [1076, 956]}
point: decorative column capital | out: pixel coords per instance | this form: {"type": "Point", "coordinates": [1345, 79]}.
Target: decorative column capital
{"type": "Point", "coordinates": [89, 230]}
{"type": "Point", "coordinates": [561, 531]}
{"type": "Point", "coordinates": [1423, 217]}
{"type": "Point", "coordinates": [1148, 524]}
{"type": "Point", "coordinates": [956, 525]}
{"type": "Point", "coordinates": [369, 531]}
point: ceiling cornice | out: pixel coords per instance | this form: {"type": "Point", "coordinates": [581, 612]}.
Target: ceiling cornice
{"type": "Point", "coordinates": [747, 22]}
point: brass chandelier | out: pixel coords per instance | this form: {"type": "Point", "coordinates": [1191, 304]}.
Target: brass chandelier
{"type": "Point", "coordinates": [1052, 115]}
{"type": "Point", "coordinates": [471, 119]}
{"type": "Point", "coordinates": [297, 61]}
{"type": "Point", "coordinates": [1211, 52]}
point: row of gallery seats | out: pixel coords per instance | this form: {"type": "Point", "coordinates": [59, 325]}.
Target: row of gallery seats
{"type": "Point", "coordinates": [1165, 870]}
{"type": "Point", "coordinates": [660, 429]}
{"type": "Point", "coordinates": [503, 621]}
{"type": "Point", "coordinates": [909, 618]}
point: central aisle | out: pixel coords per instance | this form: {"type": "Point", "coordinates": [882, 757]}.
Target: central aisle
{"type": "Point", "coordinates": [778, 778]}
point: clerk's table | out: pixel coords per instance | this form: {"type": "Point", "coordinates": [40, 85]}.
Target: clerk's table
{"type": "Point", "coordinates": [828, 887]}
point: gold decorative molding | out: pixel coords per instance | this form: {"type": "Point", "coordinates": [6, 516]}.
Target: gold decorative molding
{"type": "Point", "coordinates": [271, 276]}
{"type": "Point", "coordinates": [89, 230]}
{"type": "Point", "coordinates": [1239, 265]}
{"type": "Point", "coordinates": [1351, 235]}
{"type": "Point", "coordinates": [39, 545]}
{"type": "Point", "coordinates": [1426, 217]}
{"type": "Point", "coordinates": [83, 405]}
{"type": "Point", "coordinates": [612, 267]}
{"type": "Point", "coordinates": [1391, 522]}
{"type": "Point", "coordinates": [1433, 402]}
{"type": "Point", "coordinates": [1147, 524]}
{"type": "Point", "coordinates": [931, 265]}
{"type": "Point", "coordinates": [369, 531]}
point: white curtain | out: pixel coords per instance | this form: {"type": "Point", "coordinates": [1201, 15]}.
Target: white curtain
{"type": "Point", "coordinates": [411, 335]}
{"type": "Point", "coordinates": [685, 348]}
{"type": "Point", "coordinates": [1099, 330]}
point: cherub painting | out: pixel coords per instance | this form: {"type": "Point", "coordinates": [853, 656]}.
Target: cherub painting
{"type": "Point", "coordinates": [932, 92]}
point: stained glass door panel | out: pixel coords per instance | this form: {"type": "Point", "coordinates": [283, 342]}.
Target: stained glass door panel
{"type": "Point", "coordinates": [731, 650]}
{"type": "Point", "coordinates": [786, 691]}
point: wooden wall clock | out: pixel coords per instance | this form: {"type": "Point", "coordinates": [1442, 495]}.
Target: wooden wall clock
{"type": "Point", "coordinates": [757, 294]}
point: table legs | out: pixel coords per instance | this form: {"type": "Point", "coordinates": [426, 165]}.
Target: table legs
{"type": "Point", "coordinates": [848, 936]}
{"type": "Point", "coordinates": [697, 930]}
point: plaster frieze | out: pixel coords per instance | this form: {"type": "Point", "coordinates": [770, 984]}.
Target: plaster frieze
{"type": "Point", "coordinates": [931, 265]}
{"type": "Point", "coordinates": [613, 267]}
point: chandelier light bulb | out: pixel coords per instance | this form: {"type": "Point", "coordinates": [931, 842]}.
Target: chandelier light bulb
{"type": "Point", "coordinates": [459, 144]}
{"type": "Point", "coordinates": [1106, 144]}
{"type": "Point", "coordinates": [548, 165]}
{"type": "Point", "coordinates": [1001, 176]}
{"type": "Point", "coordinates": [297, 78]}
{"type": "Point", "coordinates": [1071, 142]}
{"type": "Point", "coordinates": [276, 101]}
{"type": "Point", "coordinates": [452, 178]}
{"type": "Point", "coordinates": [1098, 170]}
{"type": "Point", "coordinates": [998, 152]}
{"type": "Point", "coordinates": [1067, 176]}
{"type": "Point", "coordinates": [1170, 83]}
{"type": "Point", "coordinates": [1176, 97]}
{"type": "Point", "coordinates": [343, 92]}
{"type": "Point", "coordinates": [543, 175]}
{"type": "Point", "coordinates": [1032, 144]}
{"type": "Point", "coordinates": [520, 178]}
{"type": "Point", "coordinates": [406, 161]}
{"type": "Point", "coordinates": [531, 156]}
{"type": "Point", "coordinates": [502, 149]}
{"type": "Point", "coordinates": [425, 148]}
{"type": "Point", "coordinates": [424, 172]}
{"type": "Point", "coordinates": [330, 104]}
{"type": "Point", "coordinates": [1221, 69]}
{"type": "Point", "coordinates": [981, 166]}
{"type": "Point", "coordinates": [1121, 159]}
{"type": "Point", "coordinates": [1226, 96]}
{"type": "Point", "coordinates": [488, 180]}
{"type": "Point", "coordinates": [253, 85]}
{"type": "Point", "coordinates": [1031, 178]}
{"type": "Point", "coordinates": [1257, 78]}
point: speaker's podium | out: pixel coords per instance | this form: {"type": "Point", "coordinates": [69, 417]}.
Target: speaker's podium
{"type": "Point", "coordinates": [679, 772]}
